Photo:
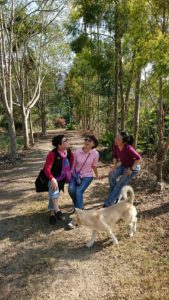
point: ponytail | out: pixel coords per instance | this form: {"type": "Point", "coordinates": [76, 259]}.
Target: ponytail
{"type": "Point", "coordinates": [130, 140]}
{"type": "Point", "coordinates": [127, 139]}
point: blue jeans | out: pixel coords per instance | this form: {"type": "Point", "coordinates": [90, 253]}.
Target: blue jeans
{"type": "Point", "coordinates": [76, 192]}
{"type": "Point", "coordinates": [52, 195]}
{"type": "Point", "coordinates": [116, 186]}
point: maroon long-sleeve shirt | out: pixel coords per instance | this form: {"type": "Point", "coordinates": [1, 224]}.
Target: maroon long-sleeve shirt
{"type": "Point", "coordinates": [127, 155]}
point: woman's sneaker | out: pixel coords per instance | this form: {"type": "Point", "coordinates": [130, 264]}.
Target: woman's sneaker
{"type": "Point", "coordinates": [70, 226]}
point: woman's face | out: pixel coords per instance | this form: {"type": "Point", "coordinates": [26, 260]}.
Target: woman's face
{"type": "Point", "coordinates": [118, 140]}
{"type": "Point", "coordinates": [64, 145]}
{"type": "Point", "coordinates": [88, 143]}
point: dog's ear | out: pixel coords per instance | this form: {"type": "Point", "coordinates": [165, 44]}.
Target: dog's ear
{"type": "Point", "coordinates": [76, 218]}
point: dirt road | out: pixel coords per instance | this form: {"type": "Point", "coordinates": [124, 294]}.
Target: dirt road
{"type": "Point", "coordinates": [39, 261]}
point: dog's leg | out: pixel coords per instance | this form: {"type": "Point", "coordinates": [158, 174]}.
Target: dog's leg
{"type": "Point", "coordinates": [132, 226]}
{"type": "Point", "coordinates": [92, 240]}
{"type": "Point", "coordinates": [109, 231]}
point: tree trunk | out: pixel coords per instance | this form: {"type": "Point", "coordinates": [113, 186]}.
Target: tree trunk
{"type": "Point", "coordinates": [137, 108]}
{"type": "Point", "coordinates": [32, 141]}
{"type": "Point", "coordinates": [6, 45]}
{"type": "Point", "coordinates": [116, 71]}
{"type": "Point", "coordinates": [12, 136]}
{"type": "Point", "coordinates": [162, 148]}
{"type": "Point", "coordinates": [129, 83]}
{"type": "Point", "coordinates": [123, 106]}
{"type": "Point", "coordinates": [160, 130]}
{"type": "Point", "coordinates": [98, 114]}
{"type": "Point", "coordinates": [43, 115]}
{"type": "Point", "coordinates": [25, 128]}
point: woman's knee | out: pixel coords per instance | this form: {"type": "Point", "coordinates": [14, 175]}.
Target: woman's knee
{"type": "Point", "coordinates": [112, 175]}
{"type": "Point", "coordinates": [79, 193]}
{"type": "Point", "coordinates": [71, 189]}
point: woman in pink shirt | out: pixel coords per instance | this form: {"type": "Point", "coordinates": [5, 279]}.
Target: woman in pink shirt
{"type": "Point", "coordinates": [85, 163]}
{"type": "Point", "coordinates": [126, 165]}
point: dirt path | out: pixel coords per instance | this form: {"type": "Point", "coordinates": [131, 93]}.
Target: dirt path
{"type": "Point", "coordinates": [39, 261]}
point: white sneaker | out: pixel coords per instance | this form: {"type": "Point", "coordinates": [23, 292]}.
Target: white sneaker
{"type": "Point", "coordinates": [70, 226]}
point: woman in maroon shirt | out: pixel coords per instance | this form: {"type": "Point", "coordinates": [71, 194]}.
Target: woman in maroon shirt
{"type": "Point", "coordinates": [126, 165]}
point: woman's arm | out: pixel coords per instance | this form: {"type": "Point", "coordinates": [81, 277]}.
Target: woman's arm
{"type": "Point", "coordinates": [95, 171]}
{"type": "Point", "coordinates": [136, 162]}
{"type": "Point", "coordinates": [116, 160]}
{"type": "Point", "coordinates": [47, 170]}
{"type": "Point", "coordinates": [48, 165]}
{"type": "Point", "coordinates": [73, 165]}
{"type": "Point", "coordinates": [132, 168]}
{"type": "Point", "coordinates": [95, 163]}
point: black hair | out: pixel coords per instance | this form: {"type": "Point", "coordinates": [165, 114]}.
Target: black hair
{"type": "Point", "coordinates": [94, 140]}
{"type": "Point", "coordinates": [126, 138]}
{"type": "Point", "coordinates": [57, 140]}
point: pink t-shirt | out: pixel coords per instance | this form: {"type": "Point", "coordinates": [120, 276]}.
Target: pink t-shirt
{"type": "Point", "coordinates": [80, 157]}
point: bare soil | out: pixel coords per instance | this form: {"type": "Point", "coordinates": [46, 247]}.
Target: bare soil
{"type": "Point", "coordinates": [40, 261]}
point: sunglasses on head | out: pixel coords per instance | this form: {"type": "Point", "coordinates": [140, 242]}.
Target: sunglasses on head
{"type": "Point", "coordinates": [88, 140]}
{"type": "Point", "coordinates": [64, 140]}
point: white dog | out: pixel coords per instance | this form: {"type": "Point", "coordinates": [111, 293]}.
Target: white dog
{"type": "Point", "coordinates": [103, 219]}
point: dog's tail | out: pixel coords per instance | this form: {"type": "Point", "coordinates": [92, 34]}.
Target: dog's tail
{"type": "Point", "coordinates": [128, 194]}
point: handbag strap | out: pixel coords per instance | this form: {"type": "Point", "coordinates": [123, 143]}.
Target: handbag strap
{"type": "Point", "coordinates": [84, 163]}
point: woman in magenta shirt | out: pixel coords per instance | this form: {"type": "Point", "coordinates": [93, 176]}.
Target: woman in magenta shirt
{"type": "Point", "coordinates": [126, 165]}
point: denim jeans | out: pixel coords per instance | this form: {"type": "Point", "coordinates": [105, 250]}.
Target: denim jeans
{"type": "Point", "coordinates": [116, 186]}
{"type": "Point", "coordinates": [52, 195]}
{"type": "Point", "coordinates": [76, 192]}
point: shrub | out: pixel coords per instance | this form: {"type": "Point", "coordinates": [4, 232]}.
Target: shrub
{"type": "Point", "coordinates": [60, 122]}
{"type": "Point", "coordinates": [70, 126]}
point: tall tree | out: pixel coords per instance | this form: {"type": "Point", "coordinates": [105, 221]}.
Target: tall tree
{"type": "Point", "coordinates": [6, 52]}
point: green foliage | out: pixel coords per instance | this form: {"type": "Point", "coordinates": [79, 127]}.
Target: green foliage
{"type": "Point", "coordinates": [79, 43]}
{"type": "Point", "coordinates": [91, 11]}
{"type": "Point", "coordinates": [148, 131]}
{"type": "Point", "coordinates": [5, 143]}
{"type": "Point", "coordinates": [107, 139]}
{"type": "Point", "coordinates": [87, 97]}
{"type": "Point", "coordinates": [4, 122]}
{"type": "Point", "coordinates": [70, 126]}
{"type": "Point", "coordinates": [2, 2]}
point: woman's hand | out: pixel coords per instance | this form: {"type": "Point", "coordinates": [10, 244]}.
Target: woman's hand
{"type": "Point", "coordinates": [113, 168]}
{"type": "Point", "coordinates": [98, 177]}
{"type": "Point", "coordinates": [128, 172]}
{"type": "Point", "coordinates": [54, 184]}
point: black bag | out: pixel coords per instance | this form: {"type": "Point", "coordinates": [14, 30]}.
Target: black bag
{"type": "Point", "coordinates": [77, 177]}
{"type": "Point", "coordinates": [41, 182]}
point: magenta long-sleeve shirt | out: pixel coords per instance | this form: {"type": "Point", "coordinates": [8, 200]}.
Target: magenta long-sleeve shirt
{"type": "Point", "coordinates": [127, 155]}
